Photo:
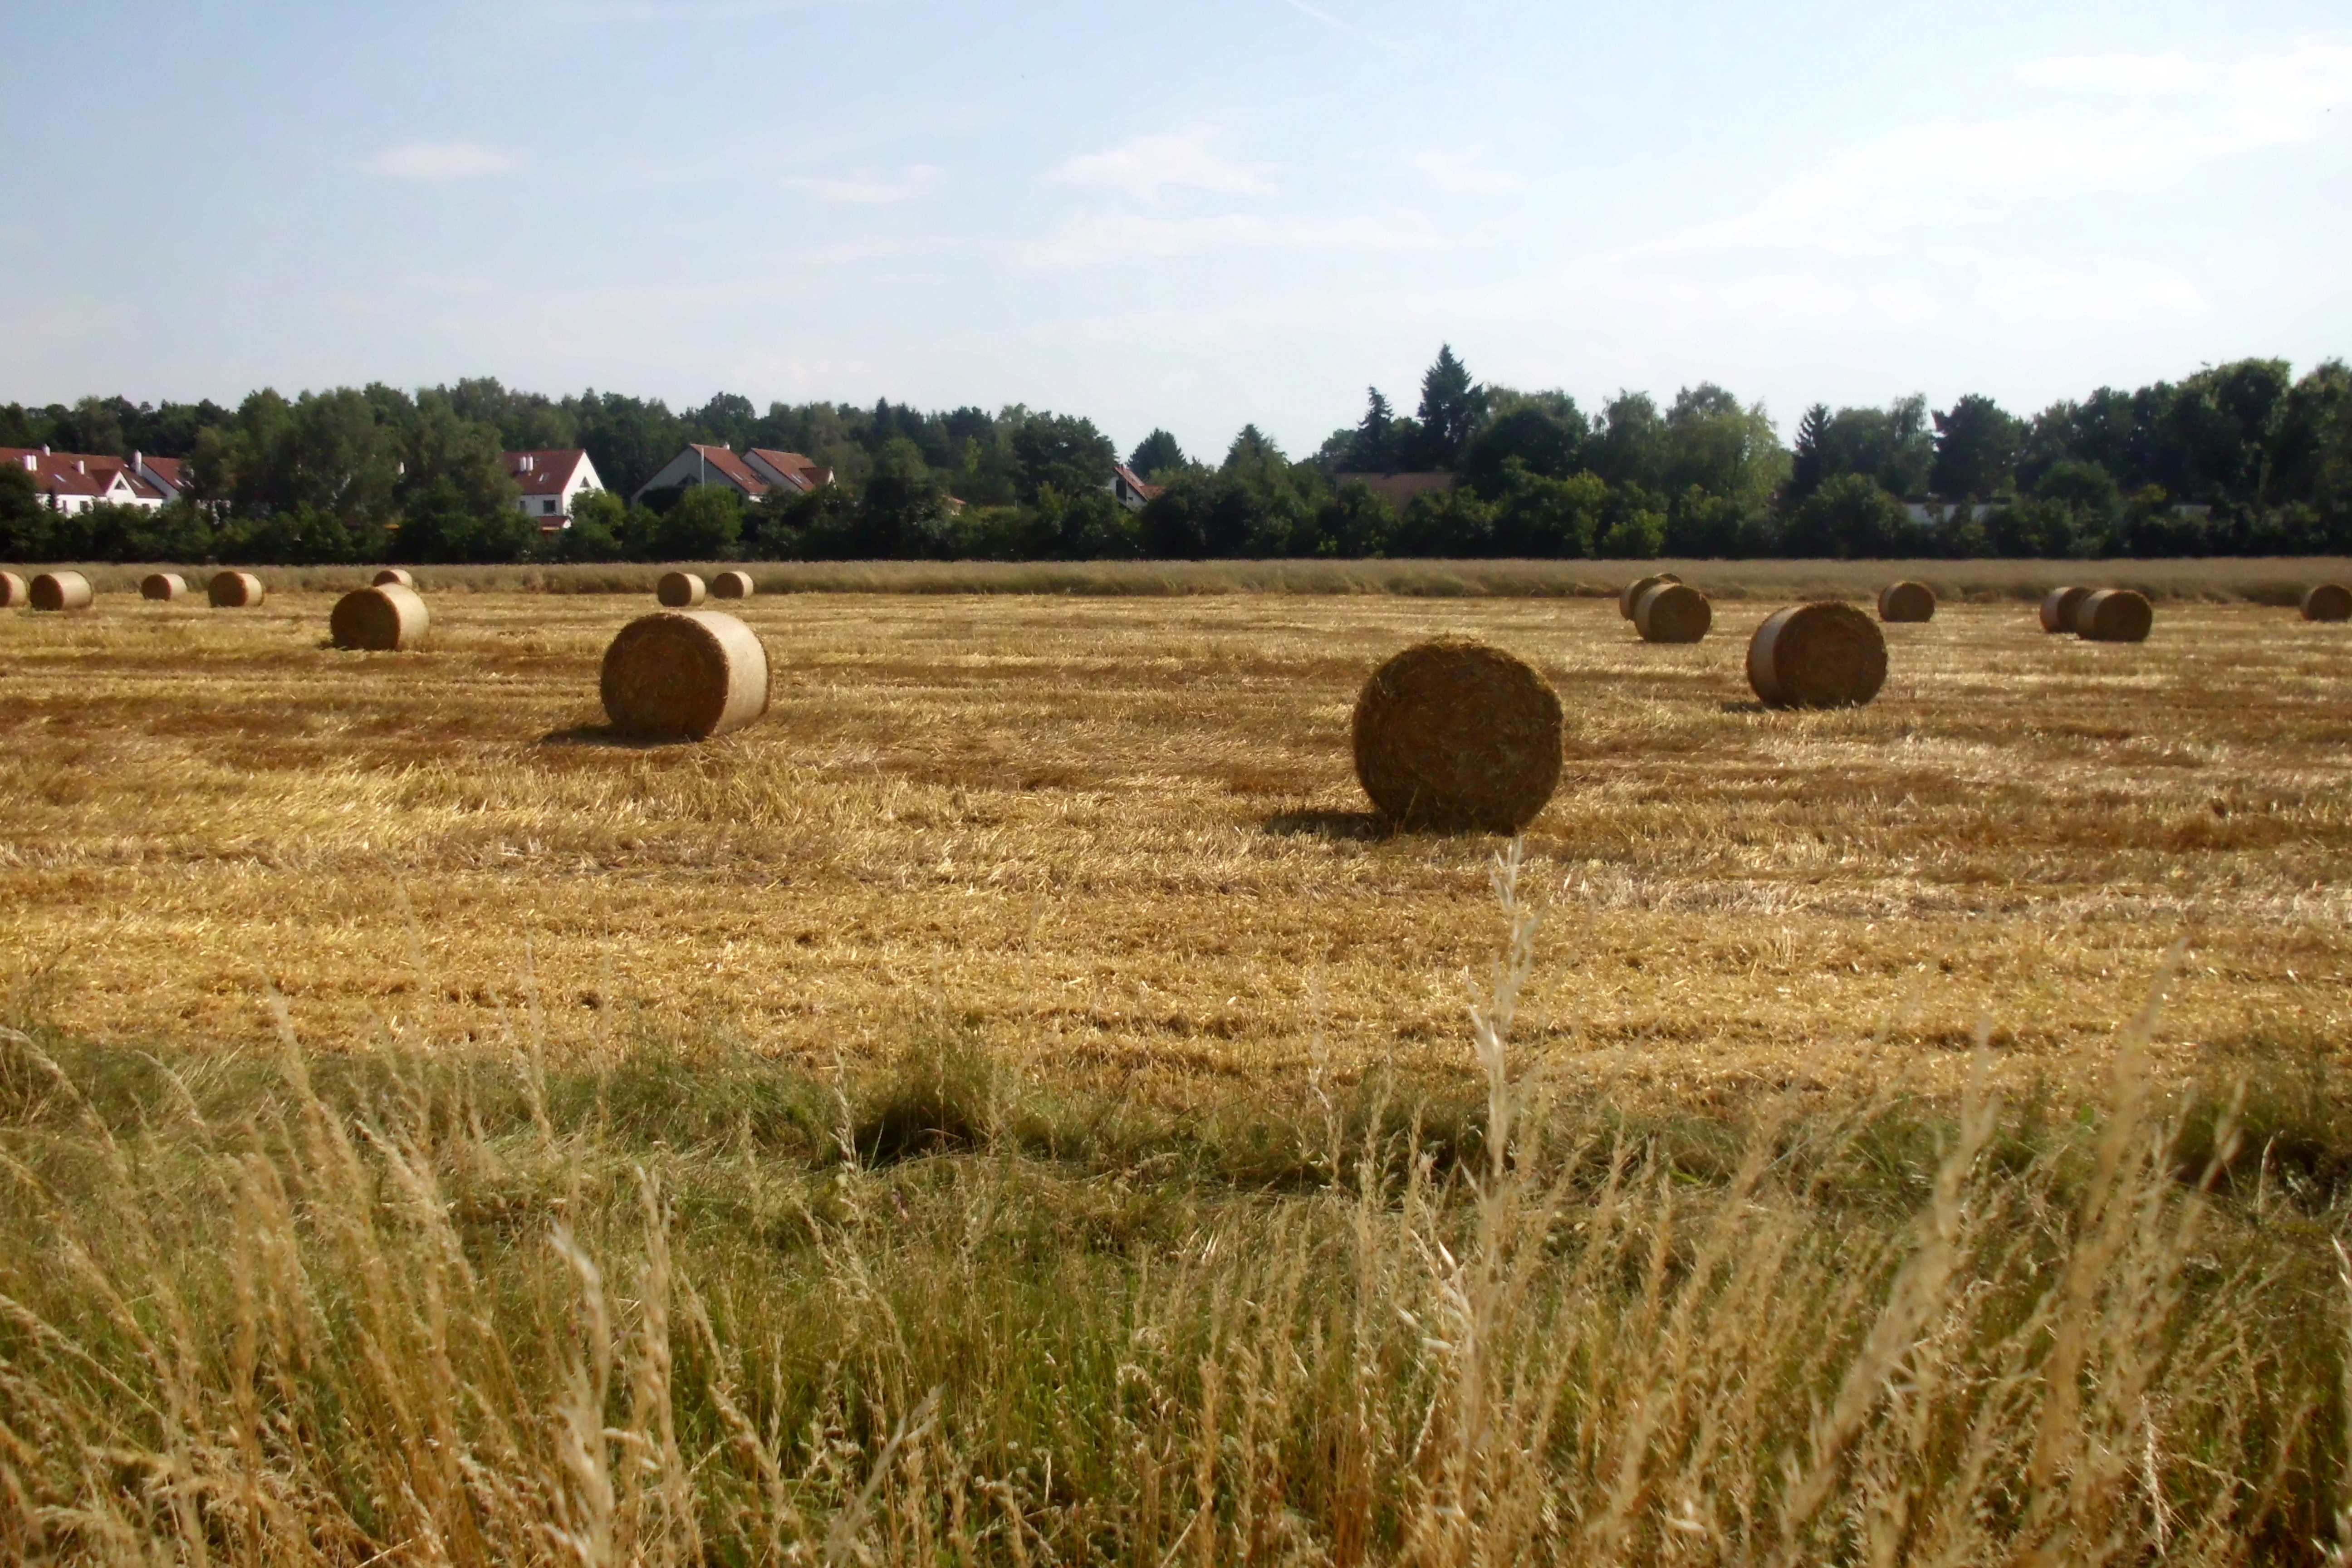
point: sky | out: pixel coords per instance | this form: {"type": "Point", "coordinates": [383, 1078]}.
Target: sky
{"type": "Point", "coordinates": [1180, 215]}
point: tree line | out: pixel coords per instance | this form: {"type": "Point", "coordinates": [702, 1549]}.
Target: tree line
{"type": "Point", "coordinates": [2240, 458]}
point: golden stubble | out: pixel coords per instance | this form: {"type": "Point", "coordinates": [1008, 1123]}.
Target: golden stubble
{"type": "Point", "coordinates": [1117, 840]}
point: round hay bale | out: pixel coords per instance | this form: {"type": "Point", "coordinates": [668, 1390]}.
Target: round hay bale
{"type": "Point", "coordinates": [684, 676]}
{"type": "Point", "coordinates": [386, 618]}
{"type": "Point", "coordinates": [1452, 734]}
{"type": "Point", "coordinates": [1673, 612]}
{"type": "Point", "coordinates": [235, 590]}
{"type": "Point", "coordinates": [680, 590]}
{"type": "Point", "coordinates": [2114, 615]}
{"type": "Point", "coordinates": [731, 585]}
{"type": "Point", "coordinates": [1825, 655]}
{"type": "Point", "coordinates": [1631, 595]}
{"type": "Point", "coordinates": [393, 577]}
{"type": "Point", "coordinates": [2058, 609]}
{"type": "Point", "coordinates": [61, 590]}
{"type": "Point", "coordinates": [1906, 602]}
{"type": "Point", "coordinates": [165, 586]}
{"type": "Point", "coordinates": [2327, 602]}
{"type": "Point", "coordinates": [14, 592]}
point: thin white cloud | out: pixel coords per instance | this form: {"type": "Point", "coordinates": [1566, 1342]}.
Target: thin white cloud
{"type": "Point", "coordinates": [864, 191]}
{"type": "Point", "coordinates": [1104, 237]}
{"type": "Point", "coordinates": [1342, 25]}
{"type": "Point", "coordinates": [1147, 165]}
{"type": "Point", "coordinates": [1463, 177]}
{"type": "Point", "coordinates": [439, 160]}
{"type": "Point", "coordinates": [2130, 76]}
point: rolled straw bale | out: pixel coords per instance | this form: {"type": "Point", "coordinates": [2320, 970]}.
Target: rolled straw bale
{"type": "Point", "coordinates": [14, 592]}
{"type": "Point", "coordinates": [2058, 609]}
{"type": "Point", "coordinates": [1906, 602]}
{"type": "Point", "coordinates": [680, 590]}
{"type": "Point", "coordinates": [61, 590]}
{"type": "Point", "coordinates": [1631, 595]}
{"type": "Point", "coordinates": [731, 585]}
{"type": "Point", "coordinates": [1673, 612]}
{"type": "Point", "coordinates": [164, 585]}
{"type": "Point", "coordinates": [2114, 615]}
{"type": "Point", "coordinates": [235, 590]}
{"type": "Point", "coordinates": [2327, 602]}
{"type": "Point", "coordinates": [685, 675]}
{"type": "Point", "coordinates": [1825, 655]}
{"type": "Point", "coordinates": [392, 576]}
{"type": "Point", "coordinates": [382, 619]}
{"type": "Point", "coordinates": [1453, 735]}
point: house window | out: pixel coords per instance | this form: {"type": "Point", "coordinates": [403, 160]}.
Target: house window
{"type": "Point", "coordinates": [548, 506]}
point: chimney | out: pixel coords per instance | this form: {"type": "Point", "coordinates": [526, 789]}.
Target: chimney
{"type": "Point", "coordinates": [32, 464]}
{"type": "Point", "coordinates": [138, 461]}
{"type": "Point", "coordinates": [81, 465]}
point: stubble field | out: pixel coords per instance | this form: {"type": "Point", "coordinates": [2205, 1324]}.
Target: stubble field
{"type": "Point", "coordinates": [1014, 1099]}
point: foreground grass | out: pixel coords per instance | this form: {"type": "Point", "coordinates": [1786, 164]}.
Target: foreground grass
{"type": "Point", "coordinates": [417, 1307]}
{"type": "Point", "coordinates": [2259, 579]}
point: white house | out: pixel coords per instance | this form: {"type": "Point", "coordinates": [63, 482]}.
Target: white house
{"type": "Point", "coordinates": [789, 470]}
{"type": "Point", "coordinates": [75, 482]}
{"type": "Point", "coordinates": [551, 480]}
{"type": "Point", "coordinates": [168, 475]}
{"type": "Point", "coordinates": [1129, 491]}
{"type": "Point", "coordinates": [705, 466]}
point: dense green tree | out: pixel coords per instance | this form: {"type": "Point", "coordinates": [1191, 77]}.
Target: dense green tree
{"type": "Point", "coordinates": [902, 504]}
{"type": "Point", "coordinates": [1540, 441]}
{"type": "Point", "coordinates": [1061, 452]}
{"type": "Point", "coordinates": [1155, 455]}
{"type": "Point", "coordinates": [1629, 447]}
{"type": "Point", "coordinates": [1977, 444]}
{"type": "Point", "coordinates": [1809, 461]}
{"type": "Point", "coordinates": [1714, 444]}
{"type": "Point", "coordinates": [1451, 407]}
{"type": "Point", "coordinates": [1547, 516]}
{"type": "Point", "coordinates": [1851, 516]}
{"type": "Point", "coordinates": [706, 525]}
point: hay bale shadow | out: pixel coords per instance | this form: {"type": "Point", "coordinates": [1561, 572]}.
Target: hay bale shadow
{"type": "Point", "coordinates": [1367, 824]}
{"type": "Point", "coordinates": [606, 736]}
{"type": "Point", "coordinates": [1740, 705]}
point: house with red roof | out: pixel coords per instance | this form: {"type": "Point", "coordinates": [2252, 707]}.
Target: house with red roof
{"type": "Point", "coordinates": [551, 480]}
{"type": "Point", "coordinates": [168, 475]}
{"type": "Point", "coordinates": [789, 470]}
{"type": "Point", "coordinates": [698, 465]}
{"type": "Point", "coordinates": [1129, 491]}
{"type": "Point", "coordinates": [73, 482]}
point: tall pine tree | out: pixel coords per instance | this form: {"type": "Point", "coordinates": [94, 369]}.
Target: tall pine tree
{"type": "Point", "coordinates": [1450, 406]}
{"type": "Point", "coordinates": [1812, 457]}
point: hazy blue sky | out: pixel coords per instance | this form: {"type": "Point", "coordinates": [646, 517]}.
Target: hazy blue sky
{"type": "Point", "coordinates": [1192, 215]}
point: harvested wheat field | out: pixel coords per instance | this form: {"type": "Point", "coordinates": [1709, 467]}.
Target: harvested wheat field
{"type": "Point", "coordinates": [1014, 1101]}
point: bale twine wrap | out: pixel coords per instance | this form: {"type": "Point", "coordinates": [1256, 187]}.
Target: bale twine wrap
{"type": "Point", "coordinates": [680, 590]}
{"type": "Point", "coordinates": [2327, 602]}
{"type": "Point", "coordinates": [685, 675]}
{"type": "Point", "coordinates": [1825, 655]}
{"type": "Point", "coordinates": [1452, 734]}
{"type": "Point", "coordinates": [1906, 602]}
{"type": "Point", "coordinates": [391, 577]}
{"type": "Point", "coordinates": [731, 585]}
{"type": "Point", "coordinates": [235, 590]}
{"type": "Point", "coordinates": [2114, 615]}
{"type": "Point", "coordinates": [14, 592]}
{"type": "Point", "coordinates": [386, 618]}
{"type": "Point", "coordinates": [164, 585]}
{"type": "Point", "coordinates": [61, 590]}
{"type": "Point", "coordinates": [2058, 609]}
{"type": "Point", "coordinates": [1673, 612]}
{"type": "Point", "coordinates": [1631, 594]}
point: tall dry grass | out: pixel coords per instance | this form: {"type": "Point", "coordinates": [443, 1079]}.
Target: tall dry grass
{"type": "Point", "coordinates": [410, 1307]}
{"type": "Point", "coordinates": [2279, 581]}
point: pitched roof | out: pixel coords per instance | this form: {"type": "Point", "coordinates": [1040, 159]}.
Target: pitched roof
{"type": "Point", "coordinates": [546, 470]}
{"type": "Point", "coordinates": [804, 474]}
{"type": "Point", "coordinates": [171, 470]}
{"type": "Point", "coordinates": [733, 466]}
{"type": "Point", "coordinates": [1134, 483]}
{"type": "Point", "coordinates": [76, 473]}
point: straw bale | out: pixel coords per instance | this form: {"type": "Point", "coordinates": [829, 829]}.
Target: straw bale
{"type": "Point", "coordinates": [1906, 602]}
{"type": "Point", "coordinates": [394, 576]}
{"type": "Point", "coordinates": [164, 585]}
{"type": "Point", "coordinates": [2114, 615]}
{"type": "Point", "coordinates": [386, 618]}
{"type": "Point", "coordinates": [1452, 734]}
{"type": "Point", "coordinates": [2327, 602]}
{"type": "Point", "coordinates": [680, 590]}
{"type": "Point", "coordinates": [1631, 595]}
{"type": "Point", "coordinates": [61, 590]}
{"type": "Point", "coordinates": [731, 585]}
{"type": "Point", "coordinates": [1673, 612]}
{"type": "Point", "coordinates": [1825, 654]}
{"type": "Point", "coordinates": [235, 590]}
{"type": "Point", "coordinates": [14, 592]}
{"type": "Point", "coordinates": [2058, 609]}
{"type": "Point", "coordinates": [685, 675]}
